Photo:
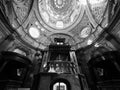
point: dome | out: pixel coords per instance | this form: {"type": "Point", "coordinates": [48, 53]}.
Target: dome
{"type": "Point", "coordinates": [60, 14]}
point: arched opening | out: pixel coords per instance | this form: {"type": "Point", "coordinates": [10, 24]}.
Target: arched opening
{"type": "Point", "coordinates": [60, 84]}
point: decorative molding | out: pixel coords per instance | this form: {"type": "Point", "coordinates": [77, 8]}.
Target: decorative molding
{"type": "Point", "coordinates": [68, 18]}
{"type": "Point", "coordinates": [22, 9]}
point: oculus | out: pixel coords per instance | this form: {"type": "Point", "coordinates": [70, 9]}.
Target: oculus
{"type": "Point", "coordinates": [34, 32]}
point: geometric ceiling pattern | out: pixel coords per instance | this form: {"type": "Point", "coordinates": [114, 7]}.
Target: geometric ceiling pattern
{"type": "Point", "coordinates": [80, 22]}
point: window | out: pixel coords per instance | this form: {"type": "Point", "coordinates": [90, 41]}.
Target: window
{"type": "Point", "coordinates": [59, 86]}
{"type": "Point", "coordinates": [19, 51]}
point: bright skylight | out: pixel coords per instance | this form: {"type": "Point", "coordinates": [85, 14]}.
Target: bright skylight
{"type": "Point", "coordinates": [34, 32]}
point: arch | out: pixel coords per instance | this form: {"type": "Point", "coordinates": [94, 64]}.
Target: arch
{"type": "Point", "coordinates": [61, 81]}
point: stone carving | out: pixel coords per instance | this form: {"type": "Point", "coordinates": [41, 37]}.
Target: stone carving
{"type": "Point", "coordinates": [21, 8]}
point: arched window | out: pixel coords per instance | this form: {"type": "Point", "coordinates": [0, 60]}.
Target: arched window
{"type": "Point", "coordinates": [19, 51]}
{"type": "Point", "coordinates": [60, 86]}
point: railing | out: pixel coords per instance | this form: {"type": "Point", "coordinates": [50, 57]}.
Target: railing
{"type": "Point", "coordinates": [59, 66]}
